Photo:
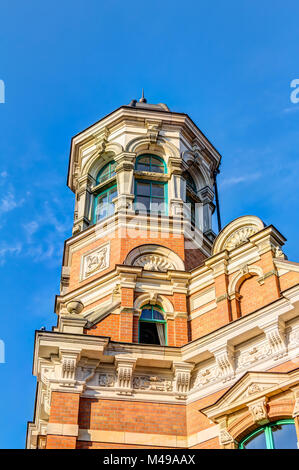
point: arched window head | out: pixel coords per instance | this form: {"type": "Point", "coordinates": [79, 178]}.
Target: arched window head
{"type": "Point", "coordinates": [149, 162]}
{"type": "Point", "coordinates": [279, 435]}
{"type": "Point", "coordinates": [152, 326]}
{"type": "Point", "coordinates": [106, 193]}
{"type": "Point", "coordinates": [107, 172]}
{"type": "Point", "coordinates": [190, 182]}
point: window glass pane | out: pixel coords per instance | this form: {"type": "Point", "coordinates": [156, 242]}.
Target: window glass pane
{"type": "Point", "coordinates": [190, 182]}
{"type": "Point", "coordinates": [258, 441]}
{"type": "Point", "coordinates": [157, 315]}
{"type": "Point", "coordinates": [112, 194]}
{"type": "Point", "coordinates": [146, 314]}
{"type": "Point", "coordinates": [142, 167]}
{"type": "Point", "coordinates": [158, 206]}
{"type": "Point", "coordinates": [104, 175]}
{"type": "Point", "coordinates": [157, 169]}
{"type": "Point", "coordinates": [156, 161]}
{"type": "Point", "coordinates": [105, 206]}
{"type": "Point", "coordinates": [142, 203]}
{"type": "Point", "coordinates": [284, 436]}
{"type": "Point", "coordinates": [157, 190]}
{"type": "Point", "coordinates": [143, 189]}
{"type": "Point", "coordinates": [145, 160]}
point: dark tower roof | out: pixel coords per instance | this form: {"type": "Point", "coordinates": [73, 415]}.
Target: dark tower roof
{"type": "Point", "coordinates": [142, 103]}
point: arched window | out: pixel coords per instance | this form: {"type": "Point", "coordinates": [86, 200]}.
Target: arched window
{"type": "Point", "coordinates": [152, 163]}
{"type": "Point", "coordinates": [107, 172]}
{"type": "Point", "coordinates": [190, 191]}
{"type": "Point", "coordinates": [152, 326]}
{"type": "Point", "coordinates": [150, 195]}
{"type": "Point", "coordinates": [107, 191]}
{"type": "Point", "coordinates": [190, 182]}
{"type": "Point", "coordinates": [278, 435]}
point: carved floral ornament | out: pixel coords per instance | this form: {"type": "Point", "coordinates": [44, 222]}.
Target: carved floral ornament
{"type": "Point", "coordinates": [153, 262]}
{"type": "Point", "coordinates": [154, 258]}
{"type": "Point", "coordinates": [236, 233]}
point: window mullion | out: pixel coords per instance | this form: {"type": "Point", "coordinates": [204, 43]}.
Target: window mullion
{"type": "Point", "coordinates": [269, 437]}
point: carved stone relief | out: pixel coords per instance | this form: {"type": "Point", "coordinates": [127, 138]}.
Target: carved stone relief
{"type": "Point", "coordinates": [152, 262]}
{"type": "Point", "coordinates": [95, 261]}
{"type": "Point", "coordinates": [155, 383]}
{"type": "Point", "coordinates": [240, 236]}
{"type": "Point", "coordinates": [252, 355]}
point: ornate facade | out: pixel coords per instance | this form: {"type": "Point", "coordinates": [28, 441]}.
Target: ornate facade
{"type": "Point", "coordinates": [167, 335]}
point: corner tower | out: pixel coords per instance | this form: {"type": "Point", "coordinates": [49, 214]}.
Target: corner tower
{"type": "Point", "coordinates": [155, 319]}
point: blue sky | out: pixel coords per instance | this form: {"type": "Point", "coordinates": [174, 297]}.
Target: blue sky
{"type": "Point", "coordinates": [65, 65]}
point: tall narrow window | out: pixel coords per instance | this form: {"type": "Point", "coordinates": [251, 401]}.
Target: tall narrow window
{"type": "Point", "coordinates": [152, 326]}
{"type": "Point", "coordinates": [150, 196]}
{"type": "Point", "coordinates": [105, 194]}
{"type": "Point", "coordinates": [279, 435]}
{"type": "Point", "coordinates": [190, 193]}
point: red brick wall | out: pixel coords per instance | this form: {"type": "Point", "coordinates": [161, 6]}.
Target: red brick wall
{"type": "Point", "coordinates": [132, 416]}
{"type": "Point", "coordinates": [61, 442]}
{"type": "Point", "coordinates": [288, 280]}
{"type": "Point", "coordinates": [64, 410]}
{"type": "Point", "coordinates": [109, 326]}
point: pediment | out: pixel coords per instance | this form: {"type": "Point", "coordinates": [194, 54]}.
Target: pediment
{"type": "Point", "coordinates": [250, 387]}
{"type": "Point", "coordinates": [237, 232]}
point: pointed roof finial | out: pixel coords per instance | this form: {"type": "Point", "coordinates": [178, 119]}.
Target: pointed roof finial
{"type": "Point", "coordinates": [142, 99]}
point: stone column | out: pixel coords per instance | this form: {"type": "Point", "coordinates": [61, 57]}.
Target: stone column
{"type": "Point", "coordinates": [125, 181]}
{"type": "Point", "coordinates": [84, 200]}
{"type": "Point", "coordinates": [218, 264]}
{"type": "Point", "coordinates": [127, 282]}
{"type": "Point", "coordinates": [63, 428]}
{"type": "Point", "coordinates": [177, 188]}
{"type": "Point", "coordinates": [206, 195]}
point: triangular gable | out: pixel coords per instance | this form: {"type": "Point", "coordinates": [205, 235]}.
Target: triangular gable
{"type": "Point", "coordinates": [250, 387]}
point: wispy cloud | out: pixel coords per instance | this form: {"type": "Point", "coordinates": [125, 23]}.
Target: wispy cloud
{"type": "Point", "coordinates": [291, 109]}
{"type": "Point", "coordinates": [8, 250]}
{"type": "Point", "coordinates": [240, 179]}
{"type": "Point", "coordinates": [9, 203]}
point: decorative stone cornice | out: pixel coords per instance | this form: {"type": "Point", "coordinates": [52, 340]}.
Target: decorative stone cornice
{"type": "Point", "coordinates": [124, 368]}
{"type": "Point", "coordinates": [224, 356]}
{"type": "Point", "coordinates": [218, 263]}
{"type": "Point", "coordinates": [182, 376]}
{"type": "Point", "coordinates": [128, 275]}
{"type": "Point", "coordinates": [275, 333]}
{"type": "Point", "coordinates": [69, 360]}
{"type": "Point", "coordinates": [153, 128]}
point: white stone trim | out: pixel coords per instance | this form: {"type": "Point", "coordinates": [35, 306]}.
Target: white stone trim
{"type": "Point", "coordinates": [63, 429]}
{"type": "Point", "coordinates": [147, 439]}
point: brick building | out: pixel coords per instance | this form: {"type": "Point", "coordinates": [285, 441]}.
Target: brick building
{"type": "Point", "coordinates": [167, 335]}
